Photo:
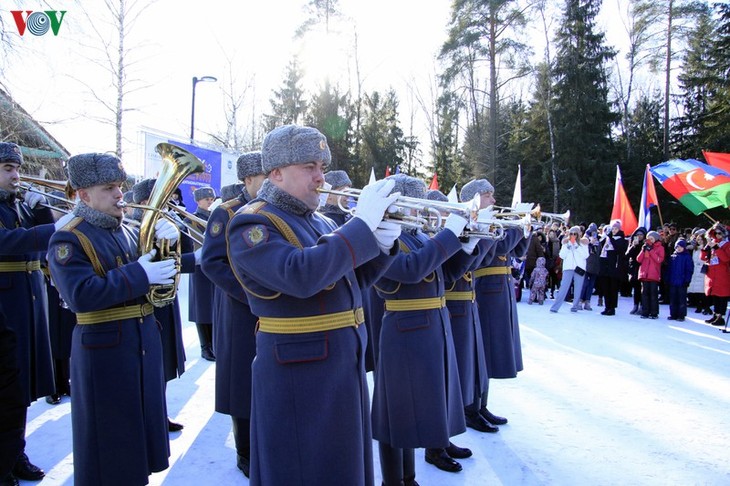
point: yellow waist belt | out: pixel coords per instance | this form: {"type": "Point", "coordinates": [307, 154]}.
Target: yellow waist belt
{"type": "Point", "coordinates": [415, 304]}
{"type": "Point", "coordinates": [324, 322]}
{"type": "Point", "coordinates": [486, 271]}
{"type": "Point", "coordinates": [20, 266]}
{"type": "Point", "coordinates": [451, 295]}
{"type": "Point", "coordinates": [114, 314]}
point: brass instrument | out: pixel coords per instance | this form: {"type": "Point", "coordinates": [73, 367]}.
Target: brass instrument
{"type": "Point", "coordinates": [492, 225]}
{"type": "Point", "coordinates": [551, 217]}
{"type": "Point", "coordinates": [193, 232]}
{"type": "Point", "coordinates": [177, 164]}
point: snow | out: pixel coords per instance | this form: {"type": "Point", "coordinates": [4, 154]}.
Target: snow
{"type": "Point", "coordinates": [603, 400]}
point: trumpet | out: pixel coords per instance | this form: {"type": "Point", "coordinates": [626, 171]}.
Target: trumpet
{"type": "Point", "coordinates": [552, 217]}
{"type": "Point", "coordinates": [493, 225]}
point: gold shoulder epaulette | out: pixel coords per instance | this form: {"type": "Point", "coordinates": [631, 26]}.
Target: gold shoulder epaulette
{"type": "Point", "coordinates": [229, 204]}
{"type": "Point", "coordinates": [254, 207]}
{"type": "Point", "coordinates": [71, 225]}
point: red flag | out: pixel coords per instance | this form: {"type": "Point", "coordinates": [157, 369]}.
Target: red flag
{"type": "Point", "coordinates": [434, 182]}
{"type": "Point", "coordinates": [387, 171]}
{"type": "Point", "coordinates": [718, 159]}
{"type": "Point", "coordinates": [621, 207]}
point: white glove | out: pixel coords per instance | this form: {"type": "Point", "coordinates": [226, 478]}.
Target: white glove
{"type": "Point", "coordinates": [469, 246]}
{"type": "Point", "coordinates": [157, 272]}
{"type": "Point", "coordinates": [32, 199]}
{"type": "Point", "coordinates": [63, 220]}
{"type": "Point", "coordinates": [374, 200]}
{"type": "Point", "coordinates": [198, 255]}
{"type": "Point", "coordinates": [455, 224]}
{"type": "Point", "coordinates": [386, 233]}
{"type": "Point", "coordinates": [166, 230]}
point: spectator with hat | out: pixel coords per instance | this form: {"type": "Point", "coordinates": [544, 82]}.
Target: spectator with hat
{"type": "Point", "coordinates": [612, 266]}
{"type": "Point", "coordinates": [650, 274]}
{"type": "Point", "coordinates": [680, 276]}
{"type": "Point", "coordinates": [303, 278]}
{"type": "Point", "coordinates": [717, 279]}
{"type": "Point", "coordinates": [25, 230]}
{"type": "Point", "coordinates": [635, 248]}
{"type": "Point", "coordinates": [118, 403]}
{"type": "Point", "coordinates": [696, 289]}
{"type": "Point", "coordinates": [234, 325]}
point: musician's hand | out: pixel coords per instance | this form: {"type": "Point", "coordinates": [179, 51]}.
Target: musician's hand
{"type": "Point", "coordinates": [387, 233]}
{"type": "Point", "coordinates": [63, 220]}
{"type": "Point", "coordinates": [469, 246]}
{"type": "Point", "coordinates": [32, 199]}
{"type": "Point", "coordinates": [374, 200]}
{"type": "Point", "coordinates": [166, 230]}
{"type": "Point", "coordinates": [198, 255]}
{"type": "Point", "coordinates": [455, 224]}
{"type": "Point", "coordinates": [157, 272]}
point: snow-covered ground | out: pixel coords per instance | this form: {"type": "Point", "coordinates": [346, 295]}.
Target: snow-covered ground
{"type": "Point", "coordinates": [602, 401]}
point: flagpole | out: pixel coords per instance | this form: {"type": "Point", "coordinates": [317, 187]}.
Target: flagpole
{"type": "Point", "coordinates": [709, 217]}
{"type": "Point", "coordinates": [661, 221]}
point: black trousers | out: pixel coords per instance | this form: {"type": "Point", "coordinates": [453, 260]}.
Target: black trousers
{"type": "Point", "coordinates": [13, 409]}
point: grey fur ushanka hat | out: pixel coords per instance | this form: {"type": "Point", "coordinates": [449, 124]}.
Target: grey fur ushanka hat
{"type": "Point", "coordinates": [436, 195]}
{"type": "Point", "coordinates": [231, 190]}
{"type": "Point", "coordinates": [408, 186]}
{"type": "Point", "coordinates": [10, 152]}
{"type": "Point", "coordinates": [203, 192]}
{"type": "Point", "coordinates": [471, 189]}
{"type": "Point", "coordinates": [337, 178]}
{"type": "Point", "coordinates": [249, 165]}
{"type": "Point", "coordinates": [142, 190]}
{"type": "Point", "coordinates": [86, 170]}
{"type": "Point", "coordinates": [293, 144]}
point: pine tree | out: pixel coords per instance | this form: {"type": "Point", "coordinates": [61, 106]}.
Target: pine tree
{"type": "Point", "coordinates": [585, 153]}
{"type": "Point", "coordinates": [288, 103]}
{"type": "Point", "coordinates": [331, 114]}
{"type": "Point", "coordinates": [382, 137]}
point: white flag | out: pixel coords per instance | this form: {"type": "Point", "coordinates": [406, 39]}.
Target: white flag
{"type": "Point", "coordinates": [517, 196]}
{"type": "Point", "coordinates": [372, 176]}
{"type": "Point", "coordinates": [453, 197]}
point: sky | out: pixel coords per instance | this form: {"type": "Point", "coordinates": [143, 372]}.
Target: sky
{"type": "Point", "coordinates": [246, 45]}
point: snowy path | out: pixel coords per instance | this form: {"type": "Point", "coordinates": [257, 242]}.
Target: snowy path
{"type": "Point", "coordinates": [602, 401]}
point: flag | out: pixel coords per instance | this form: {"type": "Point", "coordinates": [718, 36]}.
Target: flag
{"type": "Point", "coordinates": [648, 200]}
{"type": "Point", "coordinates": [434, 182]}
{"type": "Point", "coordinates": [387, 171]}
{"type": "Point", "coordinates": [372, 176]}
{"type": "Point", "coordinates": [452, 196]}
{"type": "Point", "coordinates": [621, 207]}
{"type": "Point", "coordinates": [697, 186]}
{"type": "Point", "coordinates": [517, 196]}
{"type": "Point", "coordinates": [718, 159]}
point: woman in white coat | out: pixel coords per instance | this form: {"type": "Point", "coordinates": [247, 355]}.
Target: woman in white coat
{"type": "Point", "coordinates": [574, 253]}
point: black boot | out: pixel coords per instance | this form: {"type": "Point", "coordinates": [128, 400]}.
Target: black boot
{"type": "Point", "coordinates": [174, 426]}
{"type": "Point", "coordinates": [476, 421]}
{"type": "Point", "coordinates": [391, 464]}
{"type": "Point", "coordinates": [24, 469]}
{"type": "Point", "coordinates": [491, 418]}
{"type": "Point", "coordinates": [712, 319]}
{"type": "Point", "coordinates": [457, 452]}
{"type": "Point", "coordinates": [206, 352]}
{"type": "Point", "coordinates": [242, 438]}
{"type": "Point", "coordinates": [719, 322]}
{"type": "Point", "coordinates": [205, 336]}
{"type": "Point", "coordinates": [635, 310]}
{"type": "Point", "coordinates": [9, 480]}
{"type": "Point", "coordinates": [440, 459]}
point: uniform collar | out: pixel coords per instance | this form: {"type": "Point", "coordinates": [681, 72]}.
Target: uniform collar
{"type": "Point", "coordinates": [97, 218]}
{"type": "Point", "coordinates": [6, 196]}
{"type": "Point", "coordinates": [282, 200]}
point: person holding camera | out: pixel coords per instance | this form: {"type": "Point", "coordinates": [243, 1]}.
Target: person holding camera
{"type": "Point", "coordinates": [650, 271]}
{"type": "Point", "coordinates": [574, 253]}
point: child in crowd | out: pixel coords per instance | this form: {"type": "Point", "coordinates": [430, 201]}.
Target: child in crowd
{"type": "Point", "coordinates": [680, 275]}
{"type": "Point", "coordinates": [650, 270]}
{"type": "Point", "coordinates": [538, 282]}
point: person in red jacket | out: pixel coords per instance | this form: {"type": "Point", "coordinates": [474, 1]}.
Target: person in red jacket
{"type": "Point", "coordinates": [717, 279]}
{"type": "Point", "coordinates": [650, 272]}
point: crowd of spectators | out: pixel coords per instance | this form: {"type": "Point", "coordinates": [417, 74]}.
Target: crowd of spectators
{"type": "Point", "coordinates": [688, 269]}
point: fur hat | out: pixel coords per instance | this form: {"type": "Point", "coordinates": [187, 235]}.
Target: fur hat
{"type": "Point", "coordinates": [128, 197]}
{"type": "Point", "coordinates": [653, 234]}
{"type": "Point", "coordinates": [86, 170]}
{"type": "Point", "coordinates": [203, 192]}
{"type": "Point", "coordinates": [293, 144]}
{"type": "Point", "coordinates": [471, 189]}
{"type": "Point", "coordinates": [10, 152]}
{"type": "Point", "coordinates": [436, 195]}
{"type": "Point", "coordinates": [337, 178]}
{"type": "Point", "coordinates": [142, 190]}
{"type": "Point", "coordinates": [249, 165]}
{"type": "Point", "coordinates": [408, 186]}
{"type": "Point", "coordinates": [231, 191]}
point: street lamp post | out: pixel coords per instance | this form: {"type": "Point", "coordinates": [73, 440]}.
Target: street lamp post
{"type": "Point", "coordinates": [197, 80]}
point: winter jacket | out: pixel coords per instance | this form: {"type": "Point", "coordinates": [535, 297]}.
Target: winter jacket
{"type": "Point", "coordinates": [697, 284]}
{"type": "Point", "coordinates": [680, 269]}
{"type": "Point", "coordinates": [534, 251]}
{"type": "Point", "coordinates": [717, 278]}
{"type": "Point", "coordinates": [613, 256]}
{"type": "Point", "coordinates": [574, 254]}
{"type": "Point", "coordinates": [650, 262]}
